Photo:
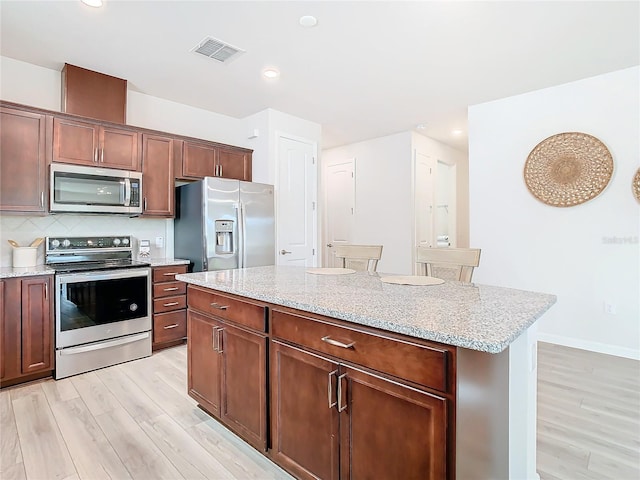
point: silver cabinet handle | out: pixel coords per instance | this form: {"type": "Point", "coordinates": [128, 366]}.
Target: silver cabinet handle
{"type": "Point", "coordinates": [145, 204]}
{"type": "Point", "coordinates": [220, 170]}
{"type": "Point", "coordinates": [169, 327]}
{"type": "Point", "coordinates": [171, 304]}
{"type": "Point", "coordinates": [336, 343]}
{"type": "Point", "coordinates": [214, 337]}
{"type": "Point", "coordinates": [95, 155]}
{"type": "Point", "coordinates": [341, 408]}
{"type": "Point", "coordinates": [220, 340]}
{"type": "Point", "coordinates": [102, 155]}
{"type": "Point", "coordinates": [170, 274]}
{"type": "Point", "coordinates": [330, 390]}
{"type": "Point", "coordinates": [171, 289]}
{"type": "Point", "coordinates": [284, 252]}
{"type": "Point", "coordinates": [217, 306]}
{"type": "Point", "coordinates": [42, 199]}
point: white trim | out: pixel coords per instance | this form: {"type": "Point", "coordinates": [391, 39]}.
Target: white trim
{"type": "Point", "coordinates": [589, 345]}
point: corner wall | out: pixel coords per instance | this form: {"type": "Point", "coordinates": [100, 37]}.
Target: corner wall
{"type": "Point", "coordinates": [588, 255]}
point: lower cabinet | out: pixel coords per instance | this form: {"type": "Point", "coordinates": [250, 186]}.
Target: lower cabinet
{"type": "Point", "coordinates": [227, 368]}
{"type": "Point", "coordinates": [26, 329]}
{"type": "Point", "coordinates": [332, 421]}
{"type": "Point", "coordinates": [169, 306]}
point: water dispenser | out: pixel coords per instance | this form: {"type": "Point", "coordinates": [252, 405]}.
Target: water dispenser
{"type": "Point", "coordinates": [224, 237]}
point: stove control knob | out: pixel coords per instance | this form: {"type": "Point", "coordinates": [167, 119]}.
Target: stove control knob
{"type": "Point", "coordinates": [116, 242]}
{"type": "Point", "coordinates": [55, 243]}
{"type": "Point", "coordinates": [125, 241]}
{"type": "Point", "coordinates": [66, 243]}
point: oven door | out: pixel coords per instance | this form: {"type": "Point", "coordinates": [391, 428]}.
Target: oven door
{"type": "Point", "coordinates": [95, 306]}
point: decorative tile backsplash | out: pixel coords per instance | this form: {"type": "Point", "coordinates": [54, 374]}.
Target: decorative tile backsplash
{"type": "Point", "coordinates": [25, 229]}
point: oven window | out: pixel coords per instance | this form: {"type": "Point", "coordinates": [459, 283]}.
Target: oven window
{"type": "Point", "coordinates": [78, 189]}
{"type": "Point", "coordinates": [86, 304]}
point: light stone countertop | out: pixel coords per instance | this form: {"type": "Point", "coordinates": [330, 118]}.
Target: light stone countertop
{"type": "Point", "coordinates": [12, 272]}
{"type": "Point", "coordinates": [477, 317]}
{"type": "Point", "coordinates": [161, 262]}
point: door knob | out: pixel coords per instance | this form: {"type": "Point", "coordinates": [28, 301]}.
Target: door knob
{"type": "Point", "coordinates": [284, 252]}
{"type": "Point", "coordinates": [329, 245]}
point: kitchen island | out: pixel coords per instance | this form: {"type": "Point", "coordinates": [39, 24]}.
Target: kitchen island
{"type": "Point", "coordinates": [457, 360]}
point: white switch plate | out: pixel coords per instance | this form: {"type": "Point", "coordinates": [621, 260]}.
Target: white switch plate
{"type": "Point", "coordinates": [159, 242]}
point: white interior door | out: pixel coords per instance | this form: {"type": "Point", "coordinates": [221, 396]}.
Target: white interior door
{"type": "Point", "coordinates": [339, 204]}
{"type": "Point", "coordinates": [296, 202]}
{"type": "Point", "coordinates": [423, 199]}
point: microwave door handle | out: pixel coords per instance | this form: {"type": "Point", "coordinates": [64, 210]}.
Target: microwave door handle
{"type": "Point", "coordinates": [127, 192]}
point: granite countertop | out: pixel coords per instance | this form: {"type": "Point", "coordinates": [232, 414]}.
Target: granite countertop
{"type": "Point", "coordinates": [11, 272]}
{"type": "Point", "coordinates": [160, 262]}
{"type": "Point", "coordinates": [477, 317]}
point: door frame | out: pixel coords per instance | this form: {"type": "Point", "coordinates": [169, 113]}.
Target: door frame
{"type": "Point", "coordinates": [279, 135]}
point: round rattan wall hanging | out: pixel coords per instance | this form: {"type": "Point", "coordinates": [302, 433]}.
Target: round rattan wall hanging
{"type": "Point", "coordinates": [635, 185]}
{"type": "Point", "coordinates": [568, 169]}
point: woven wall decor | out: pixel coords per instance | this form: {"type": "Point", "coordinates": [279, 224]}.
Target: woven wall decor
{"type": "Point", "coordinates": [568, 169]}
{"type": "Point", "coordinates": [635, 185]}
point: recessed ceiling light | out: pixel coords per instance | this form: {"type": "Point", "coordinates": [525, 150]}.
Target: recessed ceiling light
{"type": "Point", "coordinates": [456, 132]}
{"type": "Point", "coordinates": [92, 3]}
{"type": "Point", "coordinates": [271, 73]}
{"type": "Point", "coordinates": [308, 21]}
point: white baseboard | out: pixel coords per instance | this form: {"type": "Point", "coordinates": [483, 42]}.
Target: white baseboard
{"type": "Point", "coordinates": [589, 345]}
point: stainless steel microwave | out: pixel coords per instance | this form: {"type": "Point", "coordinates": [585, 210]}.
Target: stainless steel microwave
{"type": "Point", "coordinates": [81, 189]}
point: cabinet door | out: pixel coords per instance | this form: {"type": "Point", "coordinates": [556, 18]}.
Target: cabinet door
{"type": "Point", "coordinates": [75, 142]}
{"type": "Point", "coordinates": [244, 384]}
{"type": "Point", "coordinates": [389, 430]}
{"type": "Point", "coordinates": [198, 160]}
{"type": "Point", "coordinates": [157, 176]}
{"type": "Point", "coordinates": [234, 164]}
{"type": "Point", "coordinates": [203, 361]}
{"type": "Point", "coordinates": [22, 161]}
{"type": "Point", "coordinates": [119, 149]}
{"type": "Point", "coordinates": [10, 328]}
{"type": "Point", "coordinates": [2, 332]}
{"type": "Point", "coordinates": [37, 329]}
{"type": "Point", "coordinates": [304, 417]}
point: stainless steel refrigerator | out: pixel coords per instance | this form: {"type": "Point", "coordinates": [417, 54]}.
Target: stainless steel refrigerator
{"type": "Point", "coordinates": [222, 223]}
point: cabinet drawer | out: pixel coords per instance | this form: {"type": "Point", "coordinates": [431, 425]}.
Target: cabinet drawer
{"type": "Point", "coordinates": [404, 359]}
{"type": "Point", "coordinates": [213, 303]}
{"type": "Point", "coordinates": [168, 273]}
{"type": "Point", "coordinates": [167, 304]}
{"type": "Point", "coordinates": [167, 289]}
{"type": "Point", "coordinates": [168, 327]}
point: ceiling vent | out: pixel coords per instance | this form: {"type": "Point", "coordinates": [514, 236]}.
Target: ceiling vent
{"type": "Point", "coordinates": [217, 49]}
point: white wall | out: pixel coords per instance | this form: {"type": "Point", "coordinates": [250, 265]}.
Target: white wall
{"type": "Point", "coordinates": [565, 251]}
{"type": "Point", "coordinates": [383, 205]}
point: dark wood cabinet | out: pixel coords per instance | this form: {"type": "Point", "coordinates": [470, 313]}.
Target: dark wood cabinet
{"type": "Point", "coordinates": [169, 306]}
{"type": "Point", "coordinates": [27, 329]}
{"type": "Point", "coordinates": [304, 418]}
{"type": "Point", "coordinates": [208, 159]}
{"type": "Point", "coordinates": [94, 144]}
{"type": "Point", "coordinates": [227, 369]}
{"type": "Point", "coordinates": [23, 164]}
{"type": "Point", "coordinates": [158, 180]}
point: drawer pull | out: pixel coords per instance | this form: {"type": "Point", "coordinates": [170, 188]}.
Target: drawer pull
{"type": "Point", "coordinates": [341, 407]}
{"type": "Point", "coordinates": [336, 343]}
{"type": "Point", "coordinates": [169, 327]}
{"type": "Point", "coordinates": [220, 340]}
{"type": "Point", "coordinates": [171, 289]}
{"type": "Point", "coordinates": [330, 390]}
{"type": "Point", "coordinates": [171, 304]}
{"type": "Point", "coordinates": [217, 306]}
{"type": "Point", "coordinates": [170, 274]}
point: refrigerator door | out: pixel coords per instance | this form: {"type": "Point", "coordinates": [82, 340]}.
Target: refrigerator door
{"type": "Point", "coordinates": [257, 224]}
{"type": "Point", "coordinates": [222, 219]}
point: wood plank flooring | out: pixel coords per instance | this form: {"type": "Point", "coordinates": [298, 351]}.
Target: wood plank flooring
{"type": "Point", "coordinates": [588, 415]}
{"type": "Point", "coordinates": [129, 421]}
{"type": "Point", "coordinates": [135, 421]}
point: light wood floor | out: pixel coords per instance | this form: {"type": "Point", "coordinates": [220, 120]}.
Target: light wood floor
{"type": "Point", "coordinates": [588, 415]}
{"type": "Point", "coordinates": [136, 421]}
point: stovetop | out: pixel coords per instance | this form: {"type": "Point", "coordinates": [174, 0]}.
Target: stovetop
{"type": "Point", "coordinates": [81, 254]}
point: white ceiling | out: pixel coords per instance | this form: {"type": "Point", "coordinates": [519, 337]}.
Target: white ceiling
{"type": "Point", "coordinates": [367, 69]}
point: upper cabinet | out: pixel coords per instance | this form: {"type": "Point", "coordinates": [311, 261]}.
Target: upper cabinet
{"type": "Point", "coordinates": [23, 163]}
{"type": "Point", "coordinates": [157, 176]}
{"type": "Point", "coordinates": [208, 159]}
{"type": "Point", "coordinates": [94, 144]}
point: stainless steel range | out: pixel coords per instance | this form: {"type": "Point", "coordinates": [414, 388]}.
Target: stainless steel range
{"type": "Point", "coordinates": [102, 303]}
